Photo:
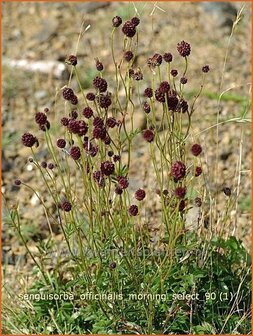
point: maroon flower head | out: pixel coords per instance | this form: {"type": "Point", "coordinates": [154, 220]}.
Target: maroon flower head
{"type": "Point", "coordinates": [65, 206]}
{"type": "Point", "coordinates": [104, 101]}
{"type": "Point", "coordinates": [73, 114]}
{"type": "Point", "coordinates": [198, 201]}
{"type": "Point", "coordinates": [140, 194]}
{"type": "Point", "coordinates": [116, 21]}
{"type": "Point", "coordinates": [90, 96]}
{"type": "Point", "coordinates": [72, 59]}
{"type": "Point", "coordinates": [168, 57]}
{"type": "Point", "coordinates": [61, 143]}
{"type": "Point", "coordinates": [198, 171]}
{"type": "Point", "coordinates": [116, 158]}
{"type": "Point", "coordinates": [160, 96]}
{"type": "Point", "coordinates": [40, 118]}
{"type": "Point", "coordinates": [68, 93]}
{"type": "Point", "coordinates": [196, 149]}
{"type": "Point", "coordinates": [111, 122]}
{"type": "Point", "coordinates": [128, 55]}
{"type": "Point", "coordinates": [17, 182]}
{"type": "Point", "coordinates": [157, 58]}
{"type": "Point", "coordinates": [227, 191]}
{"type": "Point", "coordinates": [128, 29]}
{"type": "Point", "coordinates": [180, 192]}
{"type": "Point", "coordinates": [181, 205]}
{"type": "Point", "coordinates": [99, 178]}
{"type": "Point", "coordinates": [46, 109]}
{"type": "Point", "coordinates": [172, 102]}
{"type": "Point", "coordinates": [123, 182]}
{"type": "Point", "coordinates": [174, 73]}
{"type": "Point", "coordinates": [45, 127]}
{"type": "Point", "coordinates": [107, 140]}
{"type": "Point", "coordinates": [100, 84]}
{"type": "Point", "coordinates": [118, 190]}
{"type": "Point", "coordinates": [83, 127]}
{"type": "Point", "coordinates": [74, 100]}
{"type": "Point", "coordinates": [183, 80]}
{"type": "Point", "coordinates": [87, 112]}
{"type": "Point", "coordinates": [146, 107]}
{"type": "Point", "coordinates": [148, 92]}
{"type": "Point", "coordinates": [73, 126]}
{"type": "Point", "coordinates": [110, 153]}
{"type": "Point", "coordinates": [135, 21]}
{"type": "Point", "coordinates": [133, 210]}
{"type": "Point", "coordinates": [75, 153]}
{"type": "Point", "coordinates": [178, 170]}
{"type": "Point", "coordinates": [99, 65]}
{"type": "Point", "coordinates": [98, 122]}
{"type": "Point", "coordinates": [164, 87]}
{"type": "Point", "coordinates": [183, 106]}
{"type": "Point", "coordinates": [99, 133]}
{"type": "Point", "coordinates": [43, 164]}
{"type": "Point", "coordinates": [184, 48]}
{"type": "Point", "coordinates": [148, 135]}
{"type": "Point", "coordinates": [205, 68]}
{"type": "Point", "coordinates": [50, 166]}
{"type": "Point", "coordinates": [107, 168]}
{"type": "Point", "coordinates": [90, 148]}
{"type": "Point", "coordinates": [64, 121]}
{"type": "Point", "coordinates": [29, 140]}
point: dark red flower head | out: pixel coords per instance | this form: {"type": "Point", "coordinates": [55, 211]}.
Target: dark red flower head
{"type": "Point", "coordinates": [148, 135]}
{"type": "Point", "coordinates": [111, 122]}
{"type": "Point", "coordinates": [140, 194]}
{"type": "Point", "coordinates": [133, 210]}
{"type": "Point", "coordinates": [128, 55]}
{"type": "Point", "coordinates": [74, 100]}
{"type": "Point", "coordinates": [148, 92]}
{"type": "Point", "coordinates": [64, 121]}
{"type": "Point", "coordinates": [196, 149]}
{"type": "Point", "coordinates": [123, 182]}
{"type": "Point", "coordinates": [118, 190]}
{"type": "Point", "coordinates": [146, 107]}
{"type": "Point", "coordinates": [184, 48]}
{"type": "Point", "coordinates": [116, 21]}
{"type": "Point", "coordinates": [99, 133]}
{"type": "Point", "coordinates": [183, 80]}
{"type": "Point", "coordinates": [40, 118]}
{"type": "Point", "coordinates": [29, 140]}
{"type": "Point", "coordinates": [180, 192]}
{"type": "Point", "coordinates": [87, 112]}
{"type": "Point", "coordinates": [61, 143]}
{"type": "Point", "coordinates": [75, 153]}
{"type": "Point", "coordinates": [50, 166]}
{"type": "Point", "coordinates": [72, 59]}
{"type": "Point", "coordinates": [104, 101]}
{"type": "Point", "coordinates": [160, 96]}
{"type": "Point", "coordinates": [205, 68]}
{"type": "Point", "coordinates": [73, 114]}
{"type": "Point", "coordinates": [98, 122]}
{"type": "Point", "coordinates": [174, 73]}
{"type": "Point", "coordinates": [90, 96]}
{"type": "Point", "coordinates": [107, 168]}
{"type": "Point", "coordinates": [65, 206]}
{"type": "Point", "coordinates": [99, 178]}
{"type": "Point", "coordinates": [172, 102]}
{"type": "Point", "coordinates": [68, 93]}
{"type": "Point", "coordinates": [43, 164]}
{"type": "Point", "coordinates": [198, 171]}
{"type": "Point", "coordinates": [135, 21]}
{"type": "Point", "coordinates": [17, 182]}
{"type": "Point", "coordinates": [178, 170]}
{"type": "Point", "coordinates": [227, 191]}
{"type": "Point", "coordinates": [128, 29]}
{"type": "Point", "coordinates": [99, 65]}
{"type": "Point", "coordinates": [116, 158]}
{"type": "Point", "coordinates": [100, 84]}
{"type": "Point", "coordinates": [168, 57]}
{"type": "Point", "coordinates": [164, 87]}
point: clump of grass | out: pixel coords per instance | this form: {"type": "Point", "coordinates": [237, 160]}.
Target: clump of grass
{"type": "Point", "coordinates": [114, 278]}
